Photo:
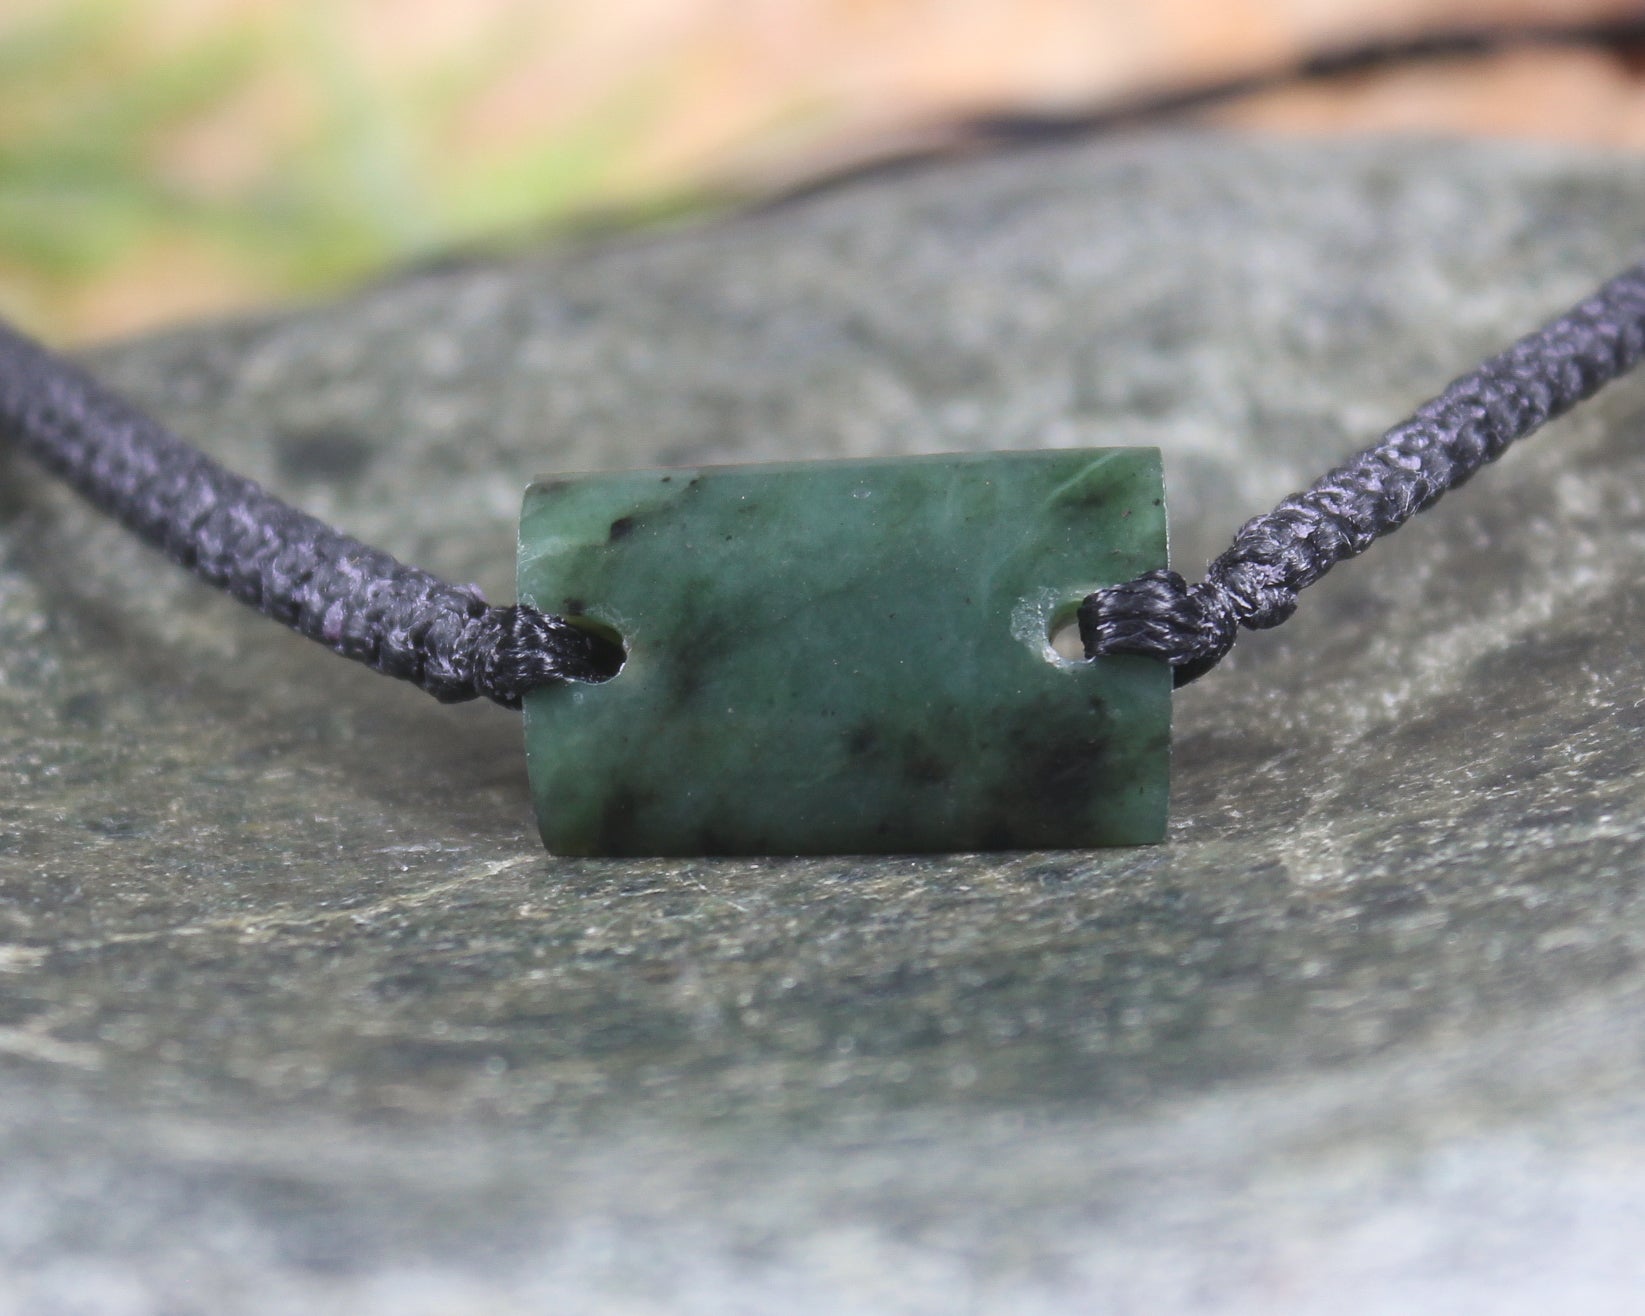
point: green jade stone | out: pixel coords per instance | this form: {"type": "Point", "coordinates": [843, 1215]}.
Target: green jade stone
{"type": "Point", "coordinates": [848, 657]}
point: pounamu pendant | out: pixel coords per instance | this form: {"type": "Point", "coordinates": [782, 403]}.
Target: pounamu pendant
{"type": "Point", "coordinates": [848, 657]}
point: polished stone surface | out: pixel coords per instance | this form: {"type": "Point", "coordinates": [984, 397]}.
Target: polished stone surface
{"type": "Point", "coordinates": [296, 1016]}
{"type": "Point", "coordinates": [848, 657]}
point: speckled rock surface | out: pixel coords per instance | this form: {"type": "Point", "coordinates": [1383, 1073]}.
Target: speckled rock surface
{"type": "Point", "coordinates": [296, 1017]}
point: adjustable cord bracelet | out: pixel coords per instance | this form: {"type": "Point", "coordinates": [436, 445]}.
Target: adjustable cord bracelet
{"type": "Point", "coordinates": [733, 660]}
{"type": "Point", "coordinates": [736, 660]}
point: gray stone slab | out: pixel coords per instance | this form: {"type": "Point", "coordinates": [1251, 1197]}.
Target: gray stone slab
{"type": "Point", "coordinates": [296, 1017]}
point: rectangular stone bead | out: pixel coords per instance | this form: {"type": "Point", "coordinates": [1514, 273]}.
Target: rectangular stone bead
{"type": "Point", "coordinates": [848, 657]}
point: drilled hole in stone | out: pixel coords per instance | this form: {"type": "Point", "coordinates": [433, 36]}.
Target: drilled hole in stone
{"type": "Point", "coordinates": [1063, 634]}
{"type": "Point", "coordinates": [612, 652]}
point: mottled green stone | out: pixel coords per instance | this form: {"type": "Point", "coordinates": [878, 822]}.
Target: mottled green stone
{"type": "Point", "coordinates": [848, 657]}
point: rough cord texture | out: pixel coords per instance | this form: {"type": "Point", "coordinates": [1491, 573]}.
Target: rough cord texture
{"type": "Point", "coordinates": [1274, 557]}
{"type": "Point", "coordinates": [353, 599]}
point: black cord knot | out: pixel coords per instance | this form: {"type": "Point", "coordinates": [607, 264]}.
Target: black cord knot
{"type": "Point", "coordinates": [1160, 615]}
{"type": "Point", "coordinates": [509, 651]}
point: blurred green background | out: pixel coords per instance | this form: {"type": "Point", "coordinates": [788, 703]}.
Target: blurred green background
{"type": "Point", "coordinates": [164, 159]}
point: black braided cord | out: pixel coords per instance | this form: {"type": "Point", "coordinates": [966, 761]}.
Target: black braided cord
{"type": "Point", "coordinates": [365, 605]}
{"type": "Point", "coordinates": [1256, 582]}
{"type": "Point", "coordinates": [355, 600]}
